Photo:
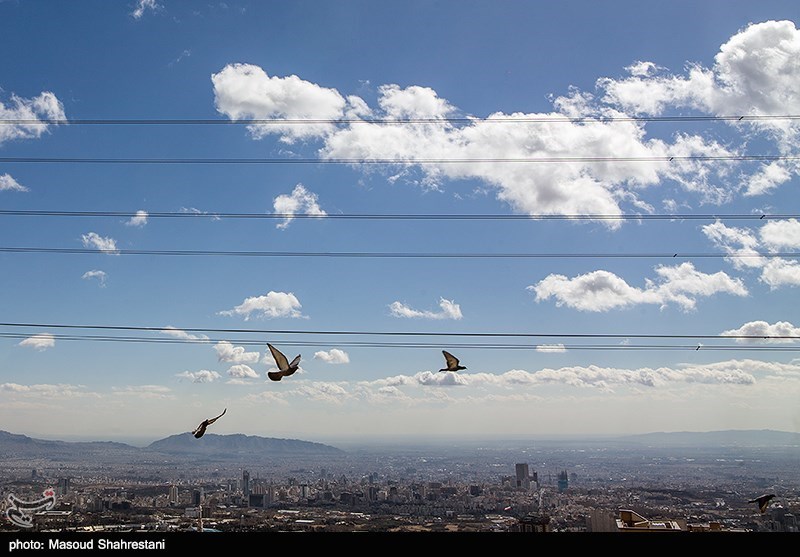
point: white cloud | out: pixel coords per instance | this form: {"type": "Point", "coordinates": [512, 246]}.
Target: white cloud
{"type": "Point", "coordinates": [325, 392]}
{"type": "Point", "coordinates": [96, 274]}
{"type": "Point", "coordinates": [202, 376]}
{"type": "Point", "coordinates": [755, 73]}
{"type": "Point", "coordinates": [332, 356]}
{"type": "Point", "coordinates": [183, 335]}
{"type": "Point", "coordinates": [764, 329]}
{"type": "Point", "coordinates": [245, 91]}
{"type": "Point", "coordinates": [196, 211]}
{"type": "Point", "coordinates": [7, 183]}
{"type": "Point", "coordinates": [551, 348]}
{"type": "Point", "coordinates": [47, 391]}
{"type": "Point", "coordinates": [737, 372]}
{"type": "Point", "coordinates": [138, 220]}
{"type": "Point", "coordinates": [274, 304]}
{"type": "Point", "coordinates": [781, 234]}
{"type": "Point", "coordinates": [144, 5]}
{"type": "Point", "coordinates": [32, 114]}
{"type": "Point", "coordinates": [227, 352]}
{"type": "Point", "coordinates": [768, 178]}
{"type": "Point", "coordinates": [41, 341]}
{"type": "Point", "coordinates": [94, 240]}
{"type": "Point", "coordinates": [241, 371]}
{"type": "Point", "coordinates": [300, 201]}
{"type": "Point", "coordinates": [603, 291]}
{"type": "Point", "coordinates": [450, 310]}
{"type": "Point", "coordinates": [743, 246]}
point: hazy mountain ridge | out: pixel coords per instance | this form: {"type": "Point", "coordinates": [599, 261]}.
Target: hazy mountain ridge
{"type": "Point", "coordinates": [736, 437]}
{"type": "Point", "coordinates": [21, 446]}
{"type": "Point", "coordinates": [229, 447]}
{"type": "Point", "coordinates": [211, 445]}
{"type": "Point", "coordinates": [238, 444]}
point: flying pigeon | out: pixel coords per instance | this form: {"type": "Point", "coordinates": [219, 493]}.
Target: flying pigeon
{"type": "Point", "coordinates": [452, 362]}
{"type": "Point", "coordinates": [284, 367]}
{"type": "Point", "coordinates": [763, 501]}
{"type": "Point", "coordinates": [201, 429]}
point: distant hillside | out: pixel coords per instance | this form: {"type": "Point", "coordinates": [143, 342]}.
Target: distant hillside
{"type": "Point", "coordinates": [733, 437]}
{"type": "Point", "coordinates": [210, 447]}
{"type": "Point", "coordinates": [21, 446]}
{"type": "Point", "coordinates": [232, 446]}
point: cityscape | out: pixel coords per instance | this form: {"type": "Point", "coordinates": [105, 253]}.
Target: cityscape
{"type": "Point", "coordinates": [580, 485]}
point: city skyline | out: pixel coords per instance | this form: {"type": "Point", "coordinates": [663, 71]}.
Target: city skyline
{"type": "Point", "coordinates": [603, 232]}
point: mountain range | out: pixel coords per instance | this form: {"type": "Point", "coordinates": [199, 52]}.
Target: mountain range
{"type": "Point", "coordinates": [220, 447]}
{"type": "Point", "coordinates": [238, 446]}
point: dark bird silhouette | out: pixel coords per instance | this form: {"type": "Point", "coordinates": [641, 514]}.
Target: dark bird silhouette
{"type": "Point", "coordinates": [763, 501]}
{"type": "Point", "coordinates": [285, 368]}
{"type": "Point", "coordinates": [201, 429]}
{"type": "Point", "coordinates": [452, 362]}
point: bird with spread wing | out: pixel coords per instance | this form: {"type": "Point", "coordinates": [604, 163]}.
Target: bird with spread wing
{"type": "Point", "coordinates": [763, 501]}
{"type": "Point", "coordinates": [201, 429]}
{"type": "Point", "coordinates": [451, 361]}
{"type": "Point", "coordinates": [284, 367]}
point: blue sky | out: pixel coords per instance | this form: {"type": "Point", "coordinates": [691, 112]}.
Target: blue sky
{"type": "Point", "coordinates": [524, 113]}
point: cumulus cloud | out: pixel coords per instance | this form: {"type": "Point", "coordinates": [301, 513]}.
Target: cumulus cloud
{"type": "Point", "coordinates": [781, 234]}
{"type": "Point", "coordinates": [202, 376]}
{"type": "Point", "coordinates": [7, 183]}
{"type": "Point", "coordinates": [300, 201]}
{"type": "Point", "coordinates": [100, 276]}
{"type": "Point", "coordinates": [325, 392]}
{"type": "Point", "coordinates": [94, 240]}
{"type": "Point", "coordinates": [143, 6]}
{"type": "Point", "coordinates": [32, 114]}
{"type": "Point", "coordinates": [138, 220]}
{"type": "Point", "coordinates": [332, 356]}
{"type": "Point", "coordinates": [744, 247]}
{"type": "Point", "coordinates": [227, 352]}
{"type": "Point", "coordinates": [274, 304]}
{"type": "Point", "coordinates": [450, 310]}
{"type": "Point", "coordinates": [245, 91]}
{"type": "Point", "coordinates": [754, 74]}
{"type": "Point", "coordinates": [174, 332]}
{"type": "Point", "coordinates": [603, 291]}
{"type": "Point", "coordinates": [737, 372]}
{"type": "Point", "coordinates": [426, 378]}
{"type": "Point", "coordinates": [41, 341]}
{"type": "Point", "coordinates": [763, 329]}
{"type": "Point", "coordinates": [242, 371]}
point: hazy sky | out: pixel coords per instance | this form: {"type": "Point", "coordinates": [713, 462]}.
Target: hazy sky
{"type": "Point", "coordinates": [145, 145]}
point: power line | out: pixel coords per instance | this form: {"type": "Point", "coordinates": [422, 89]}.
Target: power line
{"type": "Point", "coordinates": [391, 121]}
{"type": "Point", "coordinates": [396, 255]}
{"type": "Point", "coordinates": [412, 161]}
{"type": "Point", "coordinates": [417, 345]}
{"type": "Point", "coordinates": [301, 332]}
{"type": "Point", "coordinates": [387, 216]}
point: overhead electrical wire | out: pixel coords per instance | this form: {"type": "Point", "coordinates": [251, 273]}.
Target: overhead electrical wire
{"type": "Point", "coordinates": [407, 162]}
{"type": "Point", "coordinates": [419, 345]}
{"type": "Point", "coordinates": [395, 255]}
{"type": "Point", "coordinates": [389, 216]}
{"type": "Point", "coordinates": [437, 334]}
{"type": "Point", "coordinates": [392, 121]}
